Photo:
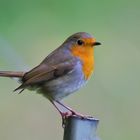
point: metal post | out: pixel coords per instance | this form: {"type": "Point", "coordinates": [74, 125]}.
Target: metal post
{"type": "Point", "coordinates": [77, 128]}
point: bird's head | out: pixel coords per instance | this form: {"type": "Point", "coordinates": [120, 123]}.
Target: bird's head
{"type": "Point", "coordinates": [82, 45]}
{"type": "Point", "coordinates": [82, 40]}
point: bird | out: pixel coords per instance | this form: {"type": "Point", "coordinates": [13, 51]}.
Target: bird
{"type": "Point", "coordinates": [62, 72]}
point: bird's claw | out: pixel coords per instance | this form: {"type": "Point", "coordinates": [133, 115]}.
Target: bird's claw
{"type": "Point", "coordinates": [66, 115]}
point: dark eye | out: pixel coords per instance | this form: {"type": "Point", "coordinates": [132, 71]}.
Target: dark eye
{"type": "Point", "coordinates": [80, 42]}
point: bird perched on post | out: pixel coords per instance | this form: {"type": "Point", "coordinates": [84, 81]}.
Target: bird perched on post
{"type": "Point", "coordinates": [62, 72]}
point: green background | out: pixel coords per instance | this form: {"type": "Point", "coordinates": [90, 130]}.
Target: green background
{"type": "Point", "coordinates": [31, 29]}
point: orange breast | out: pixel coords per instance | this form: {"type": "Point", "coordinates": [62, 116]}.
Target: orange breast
{"type": "Point", "coordinates": [86, 55]}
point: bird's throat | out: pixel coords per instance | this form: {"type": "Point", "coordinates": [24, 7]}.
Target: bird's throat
{"type": "Point", "coordinates": [86, 55]}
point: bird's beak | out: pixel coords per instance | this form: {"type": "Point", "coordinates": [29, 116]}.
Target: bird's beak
{"type": "Point", "coordinates": [96, 43]}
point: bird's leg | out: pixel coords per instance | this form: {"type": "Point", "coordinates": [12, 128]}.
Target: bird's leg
{"type": "Point", "coordinates": [65, 113]}
{"type": "Point", "coordinates": [71, 110]}
{"type": "Point", "coordinates": [62, 109]}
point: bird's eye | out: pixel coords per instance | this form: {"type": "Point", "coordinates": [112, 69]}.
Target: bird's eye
{"type": "Point", "coordinates": [80, 42]}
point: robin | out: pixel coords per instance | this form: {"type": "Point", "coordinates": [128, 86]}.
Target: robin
{"type": "Point", "coordinates": [61, 73]}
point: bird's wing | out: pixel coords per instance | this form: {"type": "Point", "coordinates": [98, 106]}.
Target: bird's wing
{"type": "Point", "coordinates": [44, 73]}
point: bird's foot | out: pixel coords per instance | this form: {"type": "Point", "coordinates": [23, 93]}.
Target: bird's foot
{"type": "Point", "coordinates": [66, 115]}
{"type": "Point", "coordinates": [74, 113]}
{"type": "Point", "coordinates": [67, 112]}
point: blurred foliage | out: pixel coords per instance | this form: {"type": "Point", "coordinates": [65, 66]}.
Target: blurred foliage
{"type": "Point", "coordinates": [31, 29]}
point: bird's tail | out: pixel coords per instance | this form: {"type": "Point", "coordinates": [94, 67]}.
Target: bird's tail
{"type": "Point", "coordinates": [11, 74]}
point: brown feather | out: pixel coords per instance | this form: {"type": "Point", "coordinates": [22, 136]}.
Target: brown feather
{"type": "Point", "coordinates": [11, 74]}
{"type": "Point", "coordinates": [42, 74]}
